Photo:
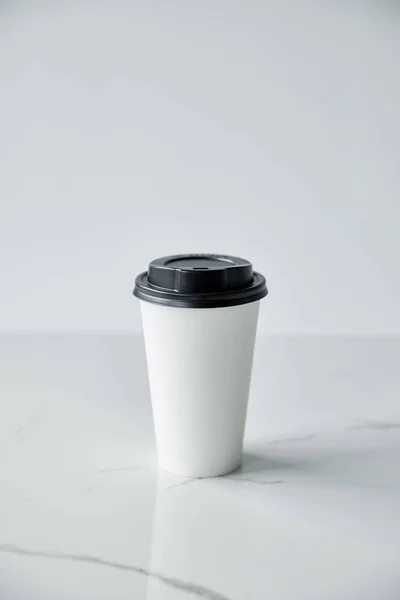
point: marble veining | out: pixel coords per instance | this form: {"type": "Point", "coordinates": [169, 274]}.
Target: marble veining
{"type": "Point", "coordinates": [93, 486]}
{"type": "Point", "coordinates": [119, 469]}
{"type": "Point", "coordinates": [257, 481]}
{"type": "Point", "coordinates": [368, 425]}
{"type": "Point", "coordinates": [294, 439]}
{"type": "Point", "coordinates": [312, 513]}
{"type": "Point", "coordinates": [20, 434]}
{"type": "Point", "coordinates": [376, 425]}
{"type": "Point", "coordinates": [181, 484]}
{"type": "Point", "coordinates": [184, 586]}
{"type": "Point", "coordinates": [104, 472]}
{"type": "Point", "coordinates": [238, 479]}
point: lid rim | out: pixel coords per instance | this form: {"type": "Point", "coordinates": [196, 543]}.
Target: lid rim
{"type": "Point", "coordinates": [147, 292]}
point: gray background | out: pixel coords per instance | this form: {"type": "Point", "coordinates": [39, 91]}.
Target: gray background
{"type": "Point", "coordinates": [136, 129]}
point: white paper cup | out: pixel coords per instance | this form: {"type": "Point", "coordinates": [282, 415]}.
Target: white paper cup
{"type": "Point", "coordinates": [199, 365]}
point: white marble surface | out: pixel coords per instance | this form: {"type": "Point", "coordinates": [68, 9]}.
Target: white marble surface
{"type": "Point", "coordinates": [314, 513]}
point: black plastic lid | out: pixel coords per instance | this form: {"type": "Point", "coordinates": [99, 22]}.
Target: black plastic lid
{"type": "Point", "coordinates": [200, 281]}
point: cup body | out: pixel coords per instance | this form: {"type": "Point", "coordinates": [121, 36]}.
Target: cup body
{"type": "Point", "coordinates": [199, 365]}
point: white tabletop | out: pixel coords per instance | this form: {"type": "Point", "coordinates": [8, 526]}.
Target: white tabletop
{"type": "Point", "coordinates": [314, 513]}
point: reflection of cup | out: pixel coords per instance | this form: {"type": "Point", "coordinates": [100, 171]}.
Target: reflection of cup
{"type": "Point", "coordinates": [184, 524]}
{"type": "Point", "coordinates": [199, 318]}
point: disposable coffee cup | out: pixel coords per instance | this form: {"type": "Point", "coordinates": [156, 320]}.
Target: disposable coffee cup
{"type": "Point", "coordinates": [199, 314]}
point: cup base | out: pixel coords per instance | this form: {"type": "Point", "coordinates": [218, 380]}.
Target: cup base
{"type": "Point", "coordinates": [205, 473]}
